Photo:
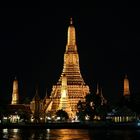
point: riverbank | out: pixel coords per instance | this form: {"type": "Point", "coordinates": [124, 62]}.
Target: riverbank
{"type": "Point", "coordinates": [75, 125]}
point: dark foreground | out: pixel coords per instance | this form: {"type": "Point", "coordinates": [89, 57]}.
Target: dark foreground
{"type": "Point", "coordinates": [77, 125]}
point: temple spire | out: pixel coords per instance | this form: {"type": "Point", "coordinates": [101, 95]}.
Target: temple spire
{"type": "Point", "coordinates": [71, 21]}
{"type": "Point", "coordinates": [46, 94]}
{"type": "Point", "coordinates": [36, 96]}
{"type": "Point", "coordinates": [15, 94]}
{"type": "Point", "coordinates": [103, 100]}
{"type": "Point", "coordinates": [70, 87]}
{"type": "Point", "coordinates": [64, 94]}
{"type": "Point", "coordinates": [126, 90]}
{"type": "Point", "coordinates": [97, 90]}
{"type": "Point", "coordinates": [71, 40]}
{"type": "Point", "coordinates": [64, 89]}
{"type": "Point", "coordinates": [36, 106]}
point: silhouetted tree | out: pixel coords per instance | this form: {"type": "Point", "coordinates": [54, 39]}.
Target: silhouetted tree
{"type": "Point", "coordinates": [62, 114]}
{"type": "Point", "coordinates": [92, 107]}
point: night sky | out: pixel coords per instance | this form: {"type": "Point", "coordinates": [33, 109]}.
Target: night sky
{"type": "Point", "coordinates": [33, 40]}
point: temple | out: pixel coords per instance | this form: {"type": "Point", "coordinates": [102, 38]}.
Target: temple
{"type": "Point", "coordinates": [70, 87]}
{"type": "Point", "coordinates": [15, 94]}
{"type": "Point", "coordinates": [68, 98]}
{"type": "Point", "coordinates": [126, 90]}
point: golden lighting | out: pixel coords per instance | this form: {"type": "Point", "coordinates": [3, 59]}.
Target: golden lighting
{"type": "Point", "coordinates": [126, 86]}
{"type": "Point", "coordinates": [64, 93]}
{"type": "Point", "coordinates": [74, 88]}
{"type": "Point", "coordinates": [15, 94]}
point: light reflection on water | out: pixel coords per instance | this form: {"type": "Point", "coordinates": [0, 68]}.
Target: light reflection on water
{"type": "Point", "coordinates": [68, 134]}
{"type": "Point", "coordinates": [44, 134]}
{"type": "Point", "coordinates": [10, 134]}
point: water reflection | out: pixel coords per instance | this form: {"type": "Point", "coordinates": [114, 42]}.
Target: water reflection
{"type": "Point", "coordinates": [11, 134]}
{"type": "Point", "coordinates": [122, 134]}
{"type": "Point", "coordinates": [68, 134]}
{"type": "Point", "coordinates": [44, 134]}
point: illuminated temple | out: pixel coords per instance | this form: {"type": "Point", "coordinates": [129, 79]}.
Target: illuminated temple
{"type": "Point", "coordinates": [70, 87]}
{"type": "Point", "coordinates": [126, 90]}
{"type": "Point", "coordinates": [15, 94]}
{"type": "Point", "coordinates": [67, 93]}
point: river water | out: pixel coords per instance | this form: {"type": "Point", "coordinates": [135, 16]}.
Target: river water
{"type": "Point", "coordinates": [68, 134]}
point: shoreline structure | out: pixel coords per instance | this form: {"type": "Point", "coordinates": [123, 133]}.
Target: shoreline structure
{"type": "Point", "coordinates": [75, 125]}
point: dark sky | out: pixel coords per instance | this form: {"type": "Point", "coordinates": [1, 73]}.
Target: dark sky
{"type": "Point", "coordinates": [33, 39]}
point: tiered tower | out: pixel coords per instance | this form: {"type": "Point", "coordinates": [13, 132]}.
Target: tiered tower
{"type": "Point", "coordinates": [126, 91]}
{"type": "Point", "coordinates": [76, 87]}
{"type": "Point", "coordinates": [15, 94]}
{"type": "Point", "coordinates": [64, 99]}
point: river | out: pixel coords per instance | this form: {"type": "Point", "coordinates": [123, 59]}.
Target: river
{"type": "Point", "coordinates": [68, 134]}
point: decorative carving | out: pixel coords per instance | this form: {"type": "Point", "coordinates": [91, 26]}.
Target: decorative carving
{"type": "Point", "coordinates": [76, 88]}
